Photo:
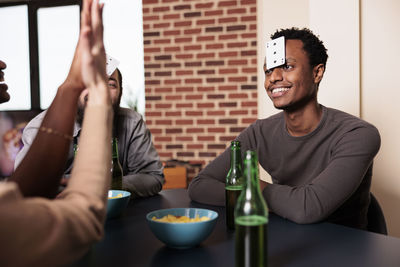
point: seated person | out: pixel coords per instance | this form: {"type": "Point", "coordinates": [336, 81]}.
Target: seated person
{"type": "Point", "coordinates": [320, 159]}
{"type": "Point", "coordinates": [141, 165]}
{"type": "Point", "coordinates": [37, 231]}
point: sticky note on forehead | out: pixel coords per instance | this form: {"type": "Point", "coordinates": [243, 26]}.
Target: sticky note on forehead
{"type": "Point", "coordinates": [275, 52]}
{"type": "Point", "coordinates": [111, 64]}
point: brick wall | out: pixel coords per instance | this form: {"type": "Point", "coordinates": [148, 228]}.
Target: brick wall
{"type": "Point", "coordinates": [200, 74]}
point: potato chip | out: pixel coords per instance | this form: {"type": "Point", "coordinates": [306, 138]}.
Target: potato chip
{"type": "Point", "coordinates": [117, 196]}
{"type": "Point", "coordinates": [180, 219]}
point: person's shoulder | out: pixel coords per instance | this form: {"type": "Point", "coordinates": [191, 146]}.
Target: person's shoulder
{"type": "Point", "coordinates": [349, 122]}
{"type": "Point", "coordinates": [129, 114]}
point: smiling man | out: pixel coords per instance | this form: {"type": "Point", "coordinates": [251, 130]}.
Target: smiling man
{"type": "Point", "coordinates": [141, 165]}
{"type": "Point", "coordinates": [320, 159]}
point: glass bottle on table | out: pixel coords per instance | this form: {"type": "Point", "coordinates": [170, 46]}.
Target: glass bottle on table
{"type": "Point", "coordinates": [251, 219]}
{"type": "Point", "coordinates": [116, 168]}
{"type": "Point", "coordinates": [234, 184]}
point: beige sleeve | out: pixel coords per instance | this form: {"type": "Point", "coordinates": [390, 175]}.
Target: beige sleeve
{"type": "Point", "coordinates": [57, 232]}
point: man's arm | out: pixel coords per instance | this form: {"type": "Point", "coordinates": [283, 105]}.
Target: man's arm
{"type": "Point", "coordinates": [208, 186]}
{"type": "Point", "coordinates": [143, 170]}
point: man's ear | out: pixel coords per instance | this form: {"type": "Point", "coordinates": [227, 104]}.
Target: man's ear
{"type": "Point", "coordinates": [318, 73]}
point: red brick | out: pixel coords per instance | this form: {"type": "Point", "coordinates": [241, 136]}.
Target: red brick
{"type": "Point", "coordinates": [228, 121]}
{"type": "Point", "coordinates": [184, 72]}
{"type": "Point", "coordinates": [172, 49]}
{"type": "Point", "coordinates": [228, 71]}
{"type": "Point", "coordinates": [150, 18]}
{"type": "Point", "coordinates": [172, 16]}
{"type": "Point", "coordinates": [235, 62]}
{"type": "Point", "coordinates": [165, 154]}
{"type": "Point", "coordinates": [205, 105]}
{"type": "Point", "coordinates": [195, 146]}
{"type": "Point", "coordinates": [153, 114]}
{"type": "Point", "coordinates": [152, 49]}
{"type": "Point", "coordinates": [173, 113]}
{"type": "Point", "coordinates": [163, 90]}
{"type": "Point", "coordinates": [163, 106]}
{"type": "Point", "coordinates": [237, 45]}
{"type": "Point", "coordinates": [161, 25]}
{"type": "Point", "coordinates": [227, 104]}
{"type": "Point", "coordinates": [216, 113]}
{"type": "Point", "coordinates": [193, 97]}
{"type": "Point", "coordinates": [213, 13]}
{"type": "Point", "coordinates": [213, 96]}
{"type": "Point", "coordinates": [160, 9]}
{"type": "Point", "coordinates": [227, 3]}
{"type": "Point", "coordinates": [145, 10]}
{"type": "Point", "coordinates": [181, 7]}
{"type": "Point", "coordinates": [192, 31]}
{"type": "Point", "coordinates": [206, 72]}
{"type": "Point", "coordinates": [216, 130]}
{"type": "Point", "coordinates": [184, 122]}
{"type": "Point", "coordinates": [185, 154]}
{"type": "Point", "coordinates": [205, 88]}
{"type": "Point", "coordinates": [195, 130]}
{"type": "Point", "coordinates": [205, 138]}
{"type": "Point", "coordinates": [183, 23]}
{"type": "Point", "coordinates": [237, 79]}
{"type": "Point", "coordinates": [177, 81]}
{"type": "Point", "coordinates": [215, 80]}
{"type": "Point", "coordinates": [204, 5]}
{"type": "Point", "coordinates": [183, 40]}
{"type": "Point", "coordinates": [227, 138]}
{"type": "Point", "coordinates": [162, 73]}
{"type": "Point", "coordinates": [240, 96]}
{"type": "Point", "coordinates": [184, 138]}
{"type": "Point", "coordinates": [253, 27]}
{"type": "Point", "coordinates": [155, 131]}
{"type": "Point", "coordinates": [205, 38]}
{"type": "Point", "coordinates": [192, 47]}
{"type": "Point", "coordinates": [227, 37]}
{"type": "Point", "coordinates": [173, 130]}
{"type": "Point", "coordinates": [214, 46]}
{"type": "Point", "coordinates": [228, 54]}
{"type": "Point", "coordinates": [184, 89]}
{"type": "Point", "coordinates": [249, 70]}
{"type": "Point", "coordinates": [248, 2]}
{"type": "Point", "coordinates": [162, 41]}
{"type": "Point", "coordinates": [205, 21]}
{"type": "Point", "coordinates": [205, 55]}
{"type": "Point", "coordinates": [216, 146]}
{"type": "Point", "coordinates": [193, 80]}
{"type": "Point", "coordinates": [249, 104]}
{"type": "Point", "coordinates": [237, 11]}
{"type": "Point", "coordinates": [173, 97]}
{"type": "Point", "coordinates": [248, 18]}
{"type": "Point", "coordinates": [227, 87]}
{"type": "Point", "coordinates": [175, 146]}
{"type": "Point", "coordinates": [184, 105]}
{"type": "Point", "coordinates": [207, 154]}
{"type": "Point", "coordinates": [163, 139]}
{"type": "Point", "coordinates": [194, 113]}
{"type": "Point", "coordinates": [236, 129]}
{"type": "Point", "coordinates": [184, 56]}
{"type": "Point", "coordinates": [173, 32]}
{"type": "Point", "coordinates": [227, 20]}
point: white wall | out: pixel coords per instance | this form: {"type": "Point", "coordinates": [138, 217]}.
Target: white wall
{"type": "Point", "coordinates": [380, 39]}
{"type": "Point", "coordinates": [361, 37]}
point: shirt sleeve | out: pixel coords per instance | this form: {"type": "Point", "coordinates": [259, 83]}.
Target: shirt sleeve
{"type": "Point", "coordinates": [316, 200]}
{"type": "Point", "coordinates": [143, 170]}
{"type": "Point", "coordinates": [57, 232]}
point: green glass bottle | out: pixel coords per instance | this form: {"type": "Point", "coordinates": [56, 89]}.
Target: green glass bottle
{"type": "Point", "coordinates": [116, 168]}
{"type": "Point", "coordinates": [251, 219]}
{"type": "Point", "coordinates": [234, 184]}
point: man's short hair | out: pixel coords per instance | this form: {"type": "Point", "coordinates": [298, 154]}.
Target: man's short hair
{"type": "Point", "coordinates": [120, 80]}
{"type": "Point", "coordinates": [316, 51]}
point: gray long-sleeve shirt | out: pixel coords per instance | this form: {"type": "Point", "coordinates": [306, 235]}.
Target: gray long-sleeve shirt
{"type": "Point", "coordinates": [143, 171]}
{"type": "Point", "coordinates": [324, 175]}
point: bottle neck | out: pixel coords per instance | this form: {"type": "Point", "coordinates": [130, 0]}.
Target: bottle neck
{"type": "Point", "coordinates": [252, 186]}
{"type": "Point", "coordinates": [115, 148]}
{"type": "Point", "coordinates": [236, 159]}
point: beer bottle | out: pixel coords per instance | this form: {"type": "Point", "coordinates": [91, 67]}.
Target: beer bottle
{"type": "Point", "coordinates": [234, 184]}
{"type": "Point", "coordinates": [116, 168]}
{"type": "Point", "coordinates": [251, 219]}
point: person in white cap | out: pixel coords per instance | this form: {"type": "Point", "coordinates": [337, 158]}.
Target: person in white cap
{"type": "Point", "coordinates": [141, 165]}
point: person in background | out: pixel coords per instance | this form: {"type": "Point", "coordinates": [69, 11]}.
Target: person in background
{"type": "Point", "coordinates": [320, 159]}
{"type": "Point", "coordinates": [141, 165]}
{"type": "Point", "coordinates": [35, 230]}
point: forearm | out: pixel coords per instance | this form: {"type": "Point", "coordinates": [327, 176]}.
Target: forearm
{"type": "Point", "coordinates": [40, 177]}
{"type": "Point", "coordinates": [143, 184]}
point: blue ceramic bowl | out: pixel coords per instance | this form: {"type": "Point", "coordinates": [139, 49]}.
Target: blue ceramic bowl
{"type": "Point", "coordinates": [115, 206]}
{"type": "Point", "coordinates": [182, 235]}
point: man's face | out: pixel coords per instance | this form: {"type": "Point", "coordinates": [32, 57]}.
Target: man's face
{"type": "Point", "coordinates": [292, 85]}
{"type": "Point", "coordinates": [115, 92]}
{"type": "Point", "coordinates": [4, 96]}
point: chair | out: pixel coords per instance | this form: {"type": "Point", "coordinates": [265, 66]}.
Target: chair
{"type": "Point", "coordinates": [376, 219]}
{"type": "Point", "coordinates": [175, 177]}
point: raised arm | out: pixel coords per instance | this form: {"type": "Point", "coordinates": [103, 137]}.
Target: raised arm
{"type": "Point", "coordinates": [41, 177]}
{"type": "Point", "coordinates": [56, 232]}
